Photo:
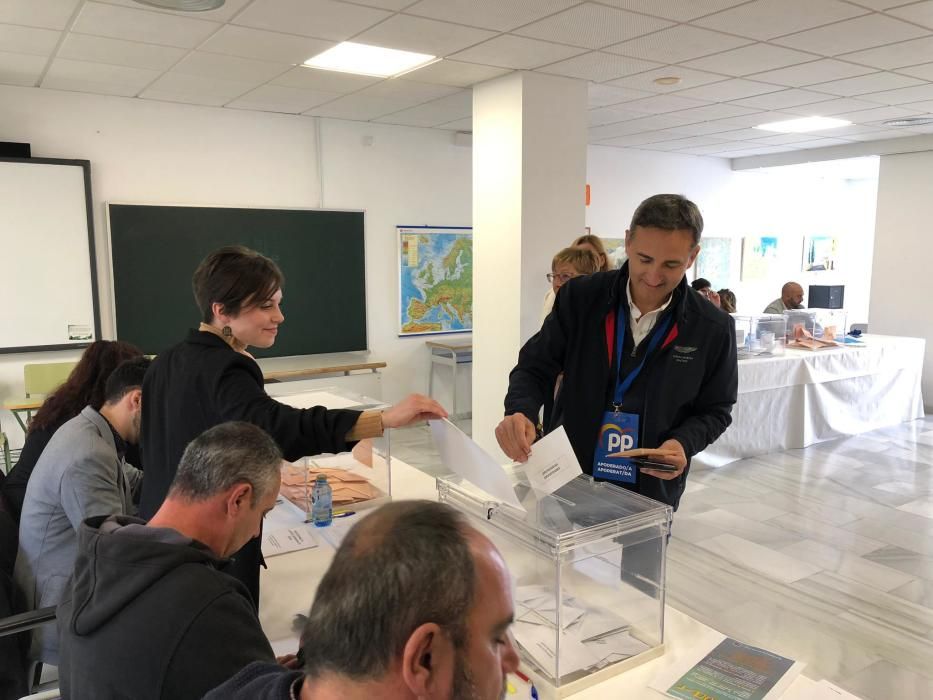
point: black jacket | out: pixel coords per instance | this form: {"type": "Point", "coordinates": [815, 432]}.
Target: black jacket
{"type": "Point", "coordinates": [258, 681]}
{"type": "Point", "coordinates": [150, 617]}
{"type": "Point", "coordinates": [685, 391]}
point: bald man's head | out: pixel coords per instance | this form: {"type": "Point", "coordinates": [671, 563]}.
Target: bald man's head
{"type": "Point", "coordinates": [792, 295]}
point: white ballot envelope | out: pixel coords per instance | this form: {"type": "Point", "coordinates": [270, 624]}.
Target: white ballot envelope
{"type": "Point", "coordinates": [467, 459]}
{"type": "Point", "coordinates": [552, 463]}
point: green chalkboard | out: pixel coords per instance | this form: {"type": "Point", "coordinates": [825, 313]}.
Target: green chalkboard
{"type": "Point", "coordinates": [155, 250]}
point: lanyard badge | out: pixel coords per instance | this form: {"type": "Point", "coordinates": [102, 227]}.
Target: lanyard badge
{"type": "Point", "coordinates": [619, 431]}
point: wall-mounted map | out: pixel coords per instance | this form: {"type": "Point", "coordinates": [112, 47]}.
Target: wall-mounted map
{"type": "Point", "coordinates": [435, 279]}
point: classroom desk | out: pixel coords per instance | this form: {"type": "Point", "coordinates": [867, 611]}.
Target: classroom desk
{"type": "Point", "coordinates": [451, 355]}
{"type": "Point", "coordinates": [801, 398]}
{"type": "Point", "coordinates": [289, 583]}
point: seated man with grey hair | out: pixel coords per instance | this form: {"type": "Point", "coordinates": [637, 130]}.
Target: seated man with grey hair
{"type": "Point", "coordinates": [149, 612]}
{"type": "Point", "coordinates": [416, 604]}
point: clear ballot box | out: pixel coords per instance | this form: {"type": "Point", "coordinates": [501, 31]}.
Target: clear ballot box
{"type": "Point", "coordinates": [358, 479]}
{"type": "Point", "coordinates": [822, 324]}
{"type": "Point", "coordinates": [588, 566]}
{"type": "Point", "coordinates": [760, 334]}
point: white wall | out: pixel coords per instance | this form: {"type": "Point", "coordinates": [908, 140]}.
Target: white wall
{"type": "Point", "coordinates": [144, 151]}
{"type": "Point", "coordinates": [783, 202]}
{"type": "Point", "coordinates": [901, 284]}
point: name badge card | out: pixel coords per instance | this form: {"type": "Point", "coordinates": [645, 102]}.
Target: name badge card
{"type": "Point", "coordinates": [618, 433]}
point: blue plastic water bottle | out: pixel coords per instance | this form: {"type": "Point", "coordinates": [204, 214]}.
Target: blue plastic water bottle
{"type": "Point", "coordinates": [322, 511]}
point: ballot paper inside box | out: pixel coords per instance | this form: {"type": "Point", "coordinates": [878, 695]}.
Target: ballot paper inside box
{"type": "Point", "coordinates": [588, 565]}
{"type": "Point", "coordinates": [760, 334]}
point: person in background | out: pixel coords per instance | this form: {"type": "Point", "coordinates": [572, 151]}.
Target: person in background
{"type": "Point", "coordinates": [791, 298]}
{"type": "Point", "coordinates": [704, 288]}
{"type": "Point", "coordinates": [727, 300]}
{"type": "Point", "coordinates": [149, 614]}
{"type": "Point", "coordinates": [445, 635]}
{"type": "Point", "coordinates": [84, 387]}
{"type": "Point", "coordinates": [571, 262]}
{"type": "Point", "coordinates": [82, 472]}
{"type": "Point", "coordinates": [210, 378]}
{"type": "Point", "coordinates": [595, 244]}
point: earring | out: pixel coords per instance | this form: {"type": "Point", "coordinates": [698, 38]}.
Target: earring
{"type": "Point", "coordinates": [227, 332]}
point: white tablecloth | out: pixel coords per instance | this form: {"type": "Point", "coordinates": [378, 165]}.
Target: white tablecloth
{"type": "Point", "coordinates": [802, 397]}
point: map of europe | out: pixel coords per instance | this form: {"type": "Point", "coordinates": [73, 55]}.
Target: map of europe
{"type": "Point", "coordinates": [436, 285]}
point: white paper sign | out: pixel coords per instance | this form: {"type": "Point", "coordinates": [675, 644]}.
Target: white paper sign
{"type": "Point", "coordinates": [552, 462]}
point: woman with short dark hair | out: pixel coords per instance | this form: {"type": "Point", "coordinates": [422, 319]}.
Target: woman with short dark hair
{"type": "Point", "coordinates": [210, 378]}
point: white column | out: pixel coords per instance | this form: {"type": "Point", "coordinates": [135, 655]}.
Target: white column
{"type": "Point", "coordinates": [529, 174]}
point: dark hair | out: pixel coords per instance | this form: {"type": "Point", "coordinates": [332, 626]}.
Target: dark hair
{"type": "Point", "coordinates": [235, 277]}
{"type": "Point", "coordinates": [407, 564]}
{"type": "Point", "coordinates": [227, 454]}
{"type": "Point", "coordinates": [727, 300]}
{"type": "Point", "coordinates": [701, 283]}
{"type": "Point", "coordinates": [582, 260]}
{"type": "Point", "coordinates": [670, 212]}
{"type": "Point", "coordinates": [597, 243]}
{"type": "Point", "coordinates": [127, 376]}
{"type": "Point", "coordinates": [85, 384]}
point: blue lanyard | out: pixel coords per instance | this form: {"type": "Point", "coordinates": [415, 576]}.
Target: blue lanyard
{"type": "Point", "coordinates": [657, 333]}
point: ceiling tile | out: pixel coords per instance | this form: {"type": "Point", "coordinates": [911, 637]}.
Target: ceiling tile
{"type": "Point", "coordinates": [414, 92]}
{"type": "Point", "coordinates": [904, 53]}
{"type": "Point", "coordinates": [100, 78]}
{"type": "Point", "coordinates": [782, 100]}
{"type": "Point", "coordinates": [747, 134]}
{"type": "Point", "coordinates": [98, 49]}
{"type": "Point", "coordinates": [902, 95]}
{"type": "Point", "coordinates": [434, 113]}
{"type": "Point", "coordinates": [853, 130]}
{"type": "Point", "coordinates": [49, 14]}
{"type": "Point", "coordinates": [221, 14]}
{"type": "Point", "coordinates": [751, 59]}
{"type": "Point", "coordinates": [29, 40]}
{"type": "Point", "coordinates": [729, 90]}
{"type": "Point", "coordinates": [658, 104]}
{"type": "Point", "coordinates": [877, 4]}
{"type": "Point", "coordinates": [324, 19]}
{"type": "Point", "coordinates": [677, 10]}
{"type": "Point", "coordinates": [423, 35]}
{"type": "Point", "coordinates": [680, 43]}
{"type": "Point", "coordinates": [688, 78]}
{"type": "Point", "coordinates": [755, 150]}
{"type": "Point", "coordinates": [632, 139]}
{"type": "Point", "coordinates": [215, 65]}
{"type": "Point", "coordinates": [360, 107]}
{"type": "Point", "coordinates": [195, 89]}
{"type": "Point", "coordinates": [304, 78]}
{"type": "Point", "coordinates": [919, 13]}
{"type": "Point", "coordinates": [592, 26]}
{"type": "Point", "coordinates": [611, 115]}
{"type": "Point", "coordinates": [599, 66]}
{"type": "Point", "coordinates": [878, 114]}
{"type": "Point", "coordinates": [690, 142]}
{"type": "Point", "coordinates": [246, 42]}
{"type": "Point", "coordinates": [755, 118]}
{"type": "Point", "coordinates": [394, 5]}
{"type": "Point", "coordinates": [20, 68]}
{"type": "Point", "coordinates": [782, 139]}
{"type": "Point", "coordinates": [862, 84]}
{"type": "Point", "coordinates": [881, 135]}
{"type": "Point", "coordinates": [703, 151]}
{"type": "Point", "coordinates": [820, 142]}
{"type": "Point", "coordinates": [277, 98]}
{"type": "Point", "coordinates": [852, 35]}
{"type": "Point", "coordinates": [142, 25]}
{"type": "Point", "coordinates": [922, 106]}
{"type": "Point", "coordinates": [717, 111]}
{"type": "Point", "coordinates": [654, 122]}
{"type": "Point", "coordinates": [458, 125]}
{"type": "Point", "coordinates": [766, 19]}
{"type": "Point", "coordinates": [831, 108]}
{"type": "Point", "coordinates": [701, 128]}
{"type": "Point", "coordinates": [602, 95]}
{"type": "Point", "coordinates": [517, 52]}
{"type": "Point", "coordinates": [811, 73]}
{"type": "Point", "coordinates": [499, 16]}
{"type": "Point", "coordinates": [923, 71]}
{"type": "Point", "coordinates": [455, 73]}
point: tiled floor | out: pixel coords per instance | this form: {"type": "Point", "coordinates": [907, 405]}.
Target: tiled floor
{"type": "Point", "coordinates": [824, 554]}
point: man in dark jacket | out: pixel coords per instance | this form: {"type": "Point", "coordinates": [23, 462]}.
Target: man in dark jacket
{"type": "Point", "coordinates": [649, 366]}
{"type": "Point", "coordinates": [158, 584]}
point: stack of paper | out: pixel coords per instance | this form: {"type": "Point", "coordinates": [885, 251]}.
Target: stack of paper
{"type": "Point", "coordinates": [348, 487]}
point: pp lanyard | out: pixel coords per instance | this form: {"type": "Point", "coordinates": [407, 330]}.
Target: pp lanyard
{"type": "Point", "coordinates": [621, 324]}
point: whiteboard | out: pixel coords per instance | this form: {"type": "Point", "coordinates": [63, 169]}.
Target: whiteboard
{"type": "Point", "coordinates": [47, 253]}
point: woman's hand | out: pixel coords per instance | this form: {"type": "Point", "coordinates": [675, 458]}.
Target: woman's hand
{"type": "Point", "coordinates": [412, 409]}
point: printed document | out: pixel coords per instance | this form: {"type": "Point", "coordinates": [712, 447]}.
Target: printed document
{"type": "Point", "coordinates": [552, 463]}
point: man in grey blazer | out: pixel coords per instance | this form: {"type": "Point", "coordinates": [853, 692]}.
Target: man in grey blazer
{"type": "Point", "coordinates": [81, 473]}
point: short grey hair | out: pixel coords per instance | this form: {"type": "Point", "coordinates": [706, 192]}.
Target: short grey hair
{"type": "Point", "coordinates": [225, 455]}
{"type": "Point", "coordinates": [406, 565]}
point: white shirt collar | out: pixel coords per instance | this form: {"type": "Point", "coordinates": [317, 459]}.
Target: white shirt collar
{"type": "Point", "coordinates": [635, 313]}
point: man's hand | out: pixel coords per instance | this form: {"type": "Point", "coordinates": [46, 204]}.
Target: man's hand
{"type": "Point", "coordinates": [515, 434]}
{"type": "Point", "coordinates": [412, 409]}
{"type": "Point", "coordinates": [669, 452]}
{"type": "Point", "coordinates": [714, 298]}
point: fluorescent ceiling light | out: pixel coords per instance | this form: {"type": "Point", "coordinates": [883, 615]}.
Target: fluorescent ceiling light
{"type": "Point", "coordinates": [363, 59]}
{"type": "Point", "coordinates": [799, 126]}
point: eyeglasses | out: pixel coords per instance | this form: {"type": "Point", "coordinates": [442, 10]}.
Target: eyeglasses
{"type": "Point", "coordinates": [561, 277]}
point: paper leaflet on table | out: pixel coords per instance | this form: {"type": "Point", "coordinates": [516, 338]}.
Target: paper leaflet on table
{"type": "Point", "coordinates": [288, 539]}
{"type": "Point", "coordinates": [552, 462]}
{"type": "Point", "coordinates": [467, 459]}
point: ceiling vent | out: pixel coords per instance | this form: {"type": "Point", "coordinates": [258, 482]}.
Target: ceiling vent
{"type": "Point", "coordinates": [184, 5]}
{"type": "Point", "coordinates": [909, 121]}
